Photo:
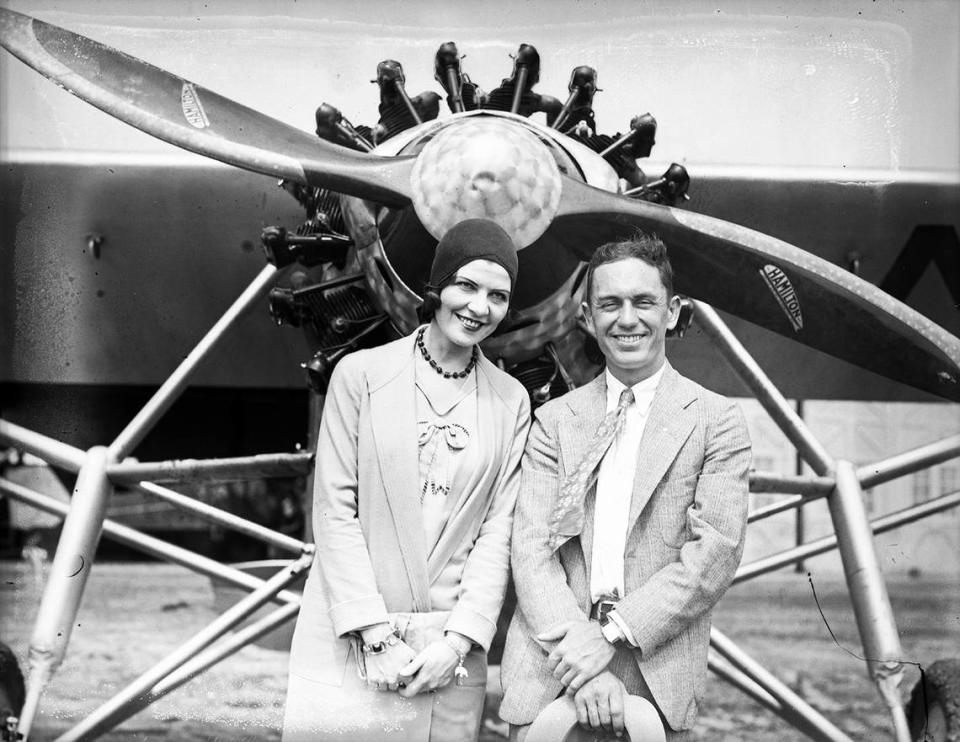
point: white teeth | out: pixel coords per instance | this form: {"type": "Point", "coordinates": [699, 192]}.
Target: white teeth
{"type": "Point", "coordinates": [469, 323]}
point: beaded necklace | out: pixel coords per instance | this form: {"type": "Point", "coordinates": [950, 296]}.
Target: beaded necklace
{"type": "Point", "coordinates": [438, 368]}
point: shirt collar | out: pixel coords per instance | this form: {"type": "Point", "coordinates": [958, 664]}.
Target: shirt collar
{"type": "Point", "coordinates": [643, 391]}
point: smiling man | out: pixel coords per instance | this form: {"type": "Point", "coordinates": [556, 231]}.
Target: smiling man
{"type": "Point", "coordinates": [630, 519]}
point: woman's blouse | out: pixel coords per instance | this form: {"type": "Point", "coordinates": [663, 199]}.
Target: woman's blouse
{"type": "Point", "coordinates": [449, 449]}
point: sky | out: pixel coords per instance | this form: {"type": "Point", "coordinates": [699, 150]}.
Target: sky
{"type": "Point", "coordinates": [855, 85]}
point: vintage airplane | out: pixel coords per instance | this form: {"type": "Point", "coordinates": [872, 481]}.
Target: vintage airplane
{"type": "Point", "coordinates": [553, 193]}
{"type": "Point", "coordinates": [378, 198]}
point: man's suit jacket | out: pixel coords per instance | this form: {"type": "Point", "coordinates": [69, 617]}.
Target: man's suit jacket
{"type": "Point", "coordinates": [372, 557]}
{"type": "Point", "coordinates": [684, 541]}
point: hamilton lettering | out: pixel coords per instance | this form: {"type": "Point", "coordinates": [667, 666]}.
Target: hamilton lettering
{"type": "Point", "coordinates": [783, 290]}
{"type": "Point", "coordinates": [192, 107]}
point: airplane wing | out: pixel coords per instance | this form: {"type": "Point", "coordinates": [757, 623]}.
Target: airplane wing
{"type": "Point", "coordinates": [196, 119]}
{"type": "Point", "coordinates": [777, 286]}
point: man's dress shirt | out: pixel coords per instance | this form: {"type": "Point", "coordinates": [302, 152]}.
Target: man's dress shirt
{"type": "Point", "coordinates": [615, 490]}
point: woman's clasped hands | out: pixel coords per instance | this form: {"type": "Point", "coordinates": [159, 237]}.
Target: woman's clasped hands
{"type": "Point", "coordinates": [435, 665]}
{"type": "Point", "coordinates": [391, 665]}
{"type": "Point", "coordinates": [384, 655]}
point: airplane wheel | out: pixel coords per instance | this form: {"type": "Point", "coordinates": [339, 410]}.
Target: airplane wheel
{"type": "Point", "coordinates": [934, 711]}
{"type": "Point", "coordinates": [12, 691]}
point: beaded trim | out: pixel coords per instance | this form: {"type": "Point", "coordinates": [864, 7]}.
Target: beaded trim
{"type": "Point", "coordinates": [436, 366]}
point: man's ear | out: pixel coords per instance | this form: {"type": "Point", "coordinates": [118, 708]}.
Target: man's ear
{"type": "Point", "coordinates": [588, 319]}
{"type": "Point", "coordinates": [674, 310]}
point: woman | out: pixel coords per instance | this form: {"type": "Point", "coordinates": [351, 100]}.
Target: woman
{"type": "Point", "coordinates": [416, 476]}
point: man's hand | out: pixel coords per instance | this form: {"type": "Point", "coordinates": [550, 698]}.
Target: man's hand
{"type": "Point", "coordinates": [582, 653]}
{"type": "Point", "coordinates": [599, 703]}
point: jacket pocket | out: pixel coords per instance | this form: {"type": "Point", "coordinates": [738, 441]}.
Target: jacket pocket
{"type": "Point", "coordinates": [316, 652]}
{"type": "Point", "coordinates": [673, 501]}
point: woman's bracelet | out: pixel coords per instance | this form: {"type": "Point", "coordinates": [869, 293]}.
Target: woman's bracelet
{"type": "Point", "coordinates": [460, 673]}
{"type": "Point", "coordinates": [381, 646]}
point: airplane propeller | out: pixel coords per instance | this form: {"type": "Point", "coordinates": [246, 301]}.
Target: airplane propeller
{"type": "Point", "coordinates": [778, 286]}
{"type": "Point", "coordinates": [194, 118]}
{"type": "Point", "coordinates": [752, 275]}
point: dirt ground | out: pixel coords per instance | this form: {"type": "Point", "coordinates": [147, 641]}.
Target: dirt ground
{"type": "Point", "coordinates": [133, 615]}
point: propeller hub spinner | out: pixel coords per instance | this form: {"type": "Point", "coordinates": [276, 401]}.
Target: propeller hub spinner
{"type": "Point", "coordinates": [486, 167]}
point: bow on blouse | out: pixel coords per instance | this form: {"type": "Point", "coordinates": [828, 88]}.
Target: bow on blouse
{"type": "Point", "coordinates": [435, 463]}
{"type": "Point", "coordinates": [456, 435]}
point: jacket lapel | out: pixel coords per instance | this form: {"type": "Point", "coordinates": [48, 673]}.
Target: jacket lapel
{"type": "Point", "coordinates": [669, 424]}
{"type": "Point", "coordinates": [576, 433]}
{"type": "Point", "coordinates": [393, 418]}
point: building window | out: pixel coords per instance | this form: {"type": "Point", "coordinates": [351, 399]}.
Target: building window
{"type": "Point", "coordinates": [763, 463]}
{"type": "Point", "coordinates": [949, 479]}
{"type": "Point", "coordinates": [921, 485]}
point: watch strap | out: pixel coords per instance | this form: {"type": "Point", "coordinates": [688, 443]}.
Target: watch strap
{"type": "Point", "coordinates": [611, 632]}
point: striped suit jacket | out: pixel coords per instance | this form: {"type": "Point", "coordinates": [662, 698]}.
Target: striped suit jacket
{"type": "Point", "coordinates": [684, 541]}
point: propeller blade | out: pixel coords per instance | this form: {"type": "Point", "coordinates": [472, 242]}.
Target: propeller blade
{"type": "Point", "coordinates": [775, 285]}
{"type": "Point", "coordinates": [196, 119]}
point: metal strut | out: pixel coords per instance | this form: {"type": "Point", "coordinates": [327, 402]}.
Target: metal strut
{"type": "Point", "coordinates": [84, 519]}
{"type": "Point", "coordinates": [868, 592]}
{"type": "Point", "coordinates": [787, 704]}
{"type": "Point", "coordinates": [131, 699]}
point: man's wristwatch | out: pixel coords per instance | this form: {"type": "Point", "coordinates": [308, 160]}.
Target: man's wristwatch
{"type": "Point", "coordinates": [610, 630]}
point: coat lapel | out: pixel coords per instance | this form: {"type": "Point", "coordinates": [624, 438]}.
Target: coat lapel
{"type": "Point", "coordinates": [576, 433]}
{"type": "Point", "coordinates": [393, 418]}
{"type": "Point", "coordinates": [669, 424]}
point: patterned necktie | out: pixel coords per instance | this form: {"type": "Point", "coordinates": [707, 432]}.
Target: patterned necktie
{"type": "Point", "coordinates": [567, 518]}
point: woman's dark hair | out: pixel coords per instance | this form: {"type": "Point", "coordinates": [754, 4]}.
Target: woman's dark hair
{"type": "Point", "coordinates": [430, 305]}
{"type": "Point", "coordinates": [431, 299]}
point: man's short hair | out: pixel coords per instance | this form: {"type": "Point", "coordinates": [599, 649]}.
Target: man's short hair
{"type": "Point", "coordinates": [646, 247]}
